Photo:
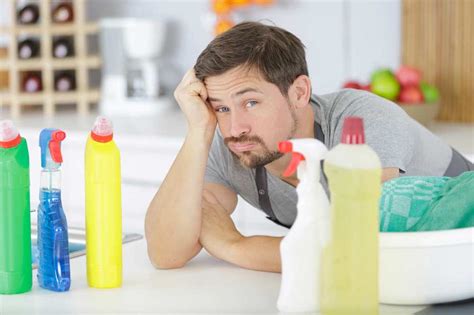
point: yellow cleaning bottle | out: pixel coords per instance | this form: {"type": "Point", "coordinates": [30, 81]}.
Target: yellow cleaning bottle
{"type": "Point", "coordinates": [103, 208]}
{"type": "Point", "coordinates": [350, 261]}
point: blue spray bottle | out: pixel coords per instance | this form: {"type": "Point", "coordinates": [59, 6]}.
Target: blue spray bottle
{"type": "Point", "coordinates": [53, 266]}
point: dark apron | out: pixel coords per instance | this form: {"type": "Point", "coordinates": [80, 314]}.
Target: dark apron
{"type": "Point", "coordinates": [458, 165]}
{"type": "Point", "coordinates": [262, 187]}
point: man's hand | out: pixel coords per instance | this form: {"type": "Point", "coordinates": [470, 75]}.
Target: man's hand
{"type": "Point", "coordinates": [191, 95]}
{"type": "Point", "coordinates": [218, 231]}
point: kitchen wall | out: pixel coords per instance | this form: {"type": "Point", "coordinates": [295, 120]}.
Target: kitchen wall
{"type": "Point", "coordinates": [344, 38]}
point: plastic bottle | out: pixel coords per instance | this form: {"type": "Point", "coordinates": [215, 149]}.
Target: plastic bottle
{"type": "Point", "coordinates": [63, 47]}
{"type": "Point", "coordinates": [28, 48]}
{"type": "Point", "coordinates": [63, 13]}
{"type": "Point", "coordinates": [15, 229]}
{"type": "Point", "coordinates": [103, 207]}
{"type": "Point", "coordinates": [350, 261]}
{"type": "Point", "coordinates": [301, 249]}
{"type": "Point", "coordinates": [53, 245]}
{"type": "Point", "coordinates": [31, 82]}
{"type": "Point", "coordinates": [29, 14]}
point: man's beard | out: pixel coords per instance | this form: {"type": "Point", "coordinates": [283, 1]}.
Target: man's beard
{"type": "Point", "coordinates": [253, 159]}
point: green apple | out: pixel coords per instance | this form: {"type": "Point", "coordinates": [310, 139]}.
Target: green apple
{"type": "Point", "coordinates": [386, 86]}
{"type": "Point", "coordinates": [430, 93]}
{"type": "Point", "coordinates": [381, 73]}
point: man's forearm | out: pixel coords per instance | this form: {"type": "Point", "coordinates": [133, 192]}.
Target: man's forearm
{"type": "Point", "coordinates": [260, 253]}
{"type": "Point", "coordinates": [173, 220]}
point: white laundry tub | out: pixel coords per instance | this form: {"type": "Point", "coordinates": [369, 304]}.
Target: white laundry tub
{"type": "Point", "coordinates": [426, 267]}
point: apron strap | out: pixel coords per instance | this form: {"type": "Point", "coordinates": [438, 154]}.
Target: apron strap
{"type": "Point", "coordinates": [262, 183]}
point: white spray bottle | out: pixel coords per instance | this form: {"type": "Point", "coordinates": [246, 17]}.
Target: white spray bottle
{"type": "Point", "coordinates": [301, 249]}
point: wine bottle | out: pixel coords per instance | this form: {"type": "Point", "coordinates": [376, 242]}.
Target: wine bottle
{"type": "Point", "coordinates": [29, 14]}
{"type": "Point", "coordinates": [62, 48]}
{"type": "Point", "coordinates": [32, 82]}
{"type": "Point", "coordinates": [28, 48]}
{"type": "Point", "coordinates": [63, 13]}
{"type": "Point", "coordinates": [64, 81]}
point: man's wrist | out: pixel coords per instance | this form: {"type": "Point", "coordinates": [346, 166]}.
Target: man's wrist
{"type": "Point", "coordinates": [200, 135]}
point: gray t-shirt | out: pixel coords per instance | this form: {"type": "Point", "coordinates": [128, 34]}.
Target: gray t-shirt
{"type": "Point", "coordinates": [398, 140]}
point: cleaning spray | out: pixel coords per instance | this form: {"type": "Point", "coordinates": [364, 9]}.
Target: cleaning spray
{"type": "Point", "coordinates": [301, 249]}
{"type": "Point", "coordinates": [53, 265]}
{"type": "Point", "coordinates": [350, 261]}
{"type": "Point", "coordinates": [15, 229]}
{"type": "Point", "coordinates": [103, 207]}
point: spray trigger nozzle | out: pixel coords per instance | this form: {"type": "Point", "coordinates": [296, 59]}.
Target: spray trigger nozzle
{"type": "Point", "coordinates": [55, 145]}
{"type": "Point", "coordinates": [296, 157]}
{"type": "Point", "coordinates": [50, 141]}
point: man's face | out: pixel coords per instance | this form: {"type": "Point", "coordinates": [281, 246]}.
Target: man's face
{"type": "Point", "coordinates": [252, 114]}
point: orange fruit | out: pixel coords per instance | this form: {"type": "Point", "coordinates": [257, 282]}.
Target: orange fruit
{"type": "Point", "coordinates": [222, 26]}
{"type": "Point", "coordinates": [221, 6]}
{"type": "Point", "coordinates": [263, 2]}
{"type": "Point", "coordinates": [240, 3]}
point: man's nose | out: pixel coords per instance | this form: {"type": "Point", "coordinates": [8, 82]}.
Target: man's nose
{"type": "Point", "coordinates": [239, 125]}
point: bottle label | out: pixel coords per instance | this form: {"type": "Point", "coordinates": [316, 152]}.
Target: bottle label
{"type": "Point", "coordinates": [27, 16]}
{"type": "Point", "coordinates": [25, 52]}
{"type": "Point", "coordinates": [60, 51]}
{"type": "Point", "coordinates": [62, 15]}
{"type": "Point", "coordinates": [63, 85]}
{"type": "Point", "coordinates": [31, 85]}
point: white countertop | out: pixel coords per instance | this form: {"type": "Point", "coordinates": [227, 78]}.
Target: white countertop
{"type": "Point", "coordinates": [204, 285]}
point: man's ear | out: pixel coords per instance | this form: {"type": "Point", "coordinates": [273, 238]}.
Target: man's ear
{"type": "Point", "coordinates": [299, 92]}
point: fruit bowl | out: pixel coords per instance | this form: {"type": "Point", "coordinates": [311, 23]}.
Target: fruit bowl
{"type": "Point", "coordinates": [424, 113]}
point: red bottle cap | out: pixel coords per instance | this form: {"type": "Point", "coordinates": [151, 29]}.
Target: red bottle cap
{"type": "Point", "coordinates": [102, 130]}
{"type": "Point", "coordinates": [9, 135]}
{"type": "Point", "coordinates": [353, 131]}
{"type": "Point", "coordinates": [10, 144]}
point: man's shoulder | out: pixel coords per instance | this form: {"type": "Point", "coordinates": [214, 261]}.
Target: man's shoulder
{"type": "Point", "coordinates": [343, 97]}
{"type": "Point", "coordinates": [353, 102]}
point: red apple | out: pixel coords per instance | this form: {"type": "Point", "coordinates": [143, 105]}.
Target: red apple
{"type": "Point", "coordinates": [366, 87]}
{"type": "Point", "coordinates": [410, 95]}
{"type": "Point", "coordinates": [408, 76]}
{"type": "Point", "coordinates": [352, 85]}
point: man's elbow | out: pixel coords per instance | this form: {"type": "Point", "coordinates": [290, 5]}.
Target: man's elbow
{"type": "Point", "coordinates": [390, 173]}
{"type": "Point", "coordinates": [164, 261]}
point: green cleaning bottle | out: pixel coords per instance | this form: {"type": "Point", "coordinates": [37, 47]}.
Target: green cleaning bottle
{"type": "Point", "coordinates": [350, 261]}
{"type": "Point", "coordinates": [15, 229]}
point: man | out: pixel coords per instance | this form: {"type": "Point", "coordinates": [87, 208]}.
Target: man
{"type": "Point", "coordinates": [252, 81]}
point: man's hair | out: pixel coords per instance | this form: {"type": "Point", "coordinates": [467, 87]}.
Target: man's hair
{"type": "Point", "coordinates": [277, 55]}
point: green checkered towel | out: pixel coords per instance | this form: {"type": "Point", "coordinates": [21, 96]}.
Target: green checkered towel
{"type": "Point", "coordinates": [418, 203]}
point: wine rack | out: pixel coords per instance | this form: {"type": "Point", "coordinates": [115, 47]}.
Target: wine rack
{"type": "Point", "coordinates": [46, 64]}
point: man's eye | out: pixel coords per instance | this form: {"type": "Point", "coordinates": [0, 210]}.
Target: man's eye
{"type": "Point", "coordinates": [222, 109]}
{"type": "Point", "coordinates": [251, 104]}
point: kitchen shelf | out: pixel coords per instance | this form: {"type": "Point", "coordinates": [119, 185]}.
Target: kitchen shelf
{"type": "Point", "coordinates": [53, 29]}
{"type": "Point", "coordinates": [38, 98]}
{"type": "Point", "coordinates": [91, 62]}
{"type": "Point", "coordinates": [80, 64]}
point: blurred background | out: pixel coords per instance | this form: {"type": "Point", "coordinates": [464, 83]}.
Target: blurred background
{"type": "Point", "coordinates": [64, 62]}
